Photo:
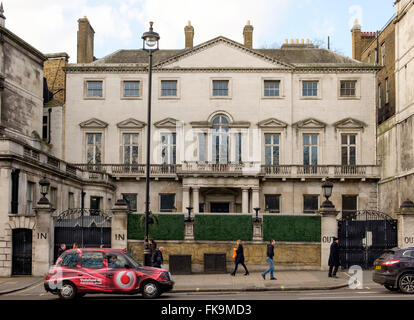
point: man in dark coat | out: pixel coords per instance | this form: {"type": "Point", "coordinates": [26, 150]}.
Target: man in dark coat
{"type": "Point", "coordinates": [270, 252]}
{"type": "Point", "coordinates": [61, 249]}
{"type": "Point", "coordinates": [334, 258]}
{"type": "Point", "coordinates": [157, 259]}
{"type": "Point", "coordinates": [239, 259]}
{"type": "Point", "coordinates": [152, 245]}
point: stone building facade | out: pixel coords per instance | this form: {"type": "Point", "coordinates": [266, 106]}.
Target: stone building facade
{"type": "Point", "coordinates": [234, 128]}
{"type": "Point", "coordinates": [396, 184]}
{"type": "Point", "coordinates": [26, 229]}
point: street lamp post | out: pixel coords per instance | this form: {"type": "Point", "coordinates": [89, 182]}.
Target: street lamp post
{"type": "Point", "coordinates": [44, 190]}
{"type": "Point", "coordinates": [150, 41]}
{"type": "Point", "coordinates": [327, 187]}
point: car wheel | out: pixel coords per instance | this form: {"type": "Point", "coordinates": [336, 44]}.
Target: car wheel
{"type": "Point", "coordinates": [391, 288]}
{"type": "Point", "coordinates": [67, 292]}
{"type": "Point", "coordinates": [406, 283]}
{"type": "Point", "coordinates": [150, 290]}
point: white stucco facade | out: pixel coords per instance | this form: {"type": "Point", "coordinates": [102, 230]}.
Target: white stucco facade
{"type": "Point", "coordinates": [191, 111]}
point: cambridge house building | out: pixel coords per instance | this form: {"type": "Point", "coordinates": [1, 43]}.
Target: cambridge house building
{"type": "Point", "coordinates": [233, 127]}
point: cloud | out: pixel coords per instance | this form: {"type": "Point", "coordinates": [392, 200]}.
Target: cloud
{"type": "Point", "coordinates": [51, 25]}
{"type": "Point", "coordinates": [355, 12]}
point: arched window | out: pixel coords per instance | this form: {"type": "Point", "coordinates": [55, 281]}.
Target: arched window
{"type": "Point", "coordinates": [220, 139]}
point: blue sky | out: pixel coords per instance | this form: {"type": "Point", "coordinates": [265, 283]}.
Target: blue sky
{"type": "Point", "coordinates": [51, 25]}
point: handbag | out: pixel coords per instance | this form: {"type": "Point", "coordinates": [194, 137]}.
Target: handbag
{"type": "Point", "coordinates": [234, 253]}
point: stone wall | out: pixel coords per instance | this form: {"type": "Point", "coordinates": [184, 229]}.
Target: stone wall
{"type": "Point", "coordinates": [288, 255]}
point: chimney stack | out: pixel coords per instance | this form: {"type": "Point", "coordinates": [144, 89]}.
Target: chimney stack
{"type": "Point", "coordinates": [85, 41]}
{"type": "Point", "coordinates": [2, 17]}
{"type": "Point", "coordinates": [248, 35]}
{"type": "Point", "coordinates": [356, 41]}
{"type": "Point", "coordinates": [189, 35]}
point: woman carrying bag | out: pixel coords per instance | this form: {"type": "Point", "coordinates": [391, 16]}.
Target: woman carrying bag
{"type": "Point", "coordinates": [239, 259]}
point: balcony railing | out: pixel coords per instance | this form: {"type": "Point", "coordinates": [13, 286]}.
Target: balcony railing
{"type": "Point", "coordinates": [238, 168]}
{"type": "Point", "coordinates": [333, 171]}
{"type": "Point", "coordinates": [228, 169]}
{"type": "Point", "coordinates": [136, 170]}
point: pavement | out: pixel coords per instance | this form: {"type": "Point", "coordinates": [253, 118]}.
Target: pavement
{"type": "Point", "coordinates": [286, 281]}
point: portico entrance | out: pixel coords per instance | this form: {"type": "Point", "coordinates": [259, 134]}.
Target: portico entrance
{"type": "Point", "coordinates": [221, 194]}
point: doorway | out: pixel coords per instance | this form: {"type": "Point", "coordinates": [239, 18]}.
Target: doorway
{"type": "Point", "coordinates": [22, 252]}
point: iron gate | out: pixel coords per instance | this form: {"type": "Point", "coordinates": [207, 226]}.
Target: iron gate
{"type": "Point", "coordinates": [364, 235]}
{"type": "Point", "coordinates": [22, 251]}
{"type": "Point", "coordinates": [89, 228]}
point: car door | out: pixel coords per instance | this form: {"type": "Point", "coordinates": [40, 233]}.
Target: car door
{"type": "Point", "coordinates": [92, 272]}
{"type": "Point", "coordinates": [121, 276]}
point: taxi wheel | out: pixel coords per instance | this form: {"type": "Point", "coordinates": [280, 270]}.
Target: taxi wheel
{"type": "Point", "coordinates": [68, 291]}
{"type": "Point", "coordinates": [406, 283]}
{"type": "Point", "coordinates": [150, 290]}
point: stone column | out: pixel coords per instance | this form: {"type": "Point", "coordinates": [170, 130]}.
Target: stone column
{"type": "Point", "coordinates": [245, 200]}
{"type": "Point", "coordinates": [329, 229]}
{"type": "Point", "coordinates": [405, 218]}
{"type": "Point", "coordinates": [43, 243]}
{"type": "Point", "coordinates": [119, 239]}
{"type": "Point", "coordinates": [196, 199]}
{"type": "Point", "coordinates": [255, 197]}
{"type": "Point", "coordinates": [186, 198]}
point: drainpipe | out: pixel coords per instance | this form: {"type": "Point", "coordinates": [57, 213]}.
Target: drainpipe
{"type": "Point", "coordinates": [49, 124]}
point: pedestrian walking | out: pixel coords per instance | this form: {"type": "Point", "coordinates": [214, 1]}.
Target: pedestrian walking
{"type": "Point", "coordinates": [61, 249]}
{"type": "Point", "coordinates": [152, 245]}
{"type": "Point", "coordinates": [239, 259]}
{"type": "Point", "coordinates": [270, 253]}
{"type": "Point", "coordinates": [157, 258]}
{"type": "Point", "coordinates": [334, 258]}
{"type": "Point", "coordinates": [75, 246]}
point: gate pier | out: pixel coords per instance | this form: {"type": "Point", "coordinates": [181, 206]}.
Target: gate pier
{"type": "Point", "coordinates": [406, 224]}
{"type": "Point", "coordinates": [42, 239]}
{"type": "Point", "coordinates": [329, 229]}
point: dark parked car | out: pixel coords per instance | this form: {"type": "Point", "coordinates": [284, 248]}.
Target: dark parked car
{"type": "Point", "coordinates": [395, 269]}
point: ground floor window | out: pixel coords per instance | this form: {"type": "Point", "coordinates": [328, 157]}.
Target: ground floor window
{"type": "Point", "coordinates": [272, 203]}
{"type": "Point", "coordinates": [95, 204]}
{"type": "Point", "coordinates": [349, 206]}
{"type": "Point", "coordinates": [167, 202]}
{"type": "Point", "coordinates": [131, 200]}
{"type": "Point", "coordinates": [310, 203]}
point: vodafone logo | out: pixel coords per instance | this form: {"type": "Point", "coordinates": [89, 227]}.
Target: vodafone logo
{"type": "Point", "coordinates": [125, 279]}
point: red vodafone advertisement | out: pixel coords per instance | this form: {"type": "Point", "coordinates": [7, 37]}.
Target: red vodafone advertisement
{"type": "Point", "coordinates": [81, 271]}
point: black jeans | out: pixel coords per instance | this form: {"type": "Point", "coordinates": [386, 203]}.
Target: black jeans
{"type": "Point", "coordinates": [335, 270]}
{"type": "Point", "coordinates": [244, 266]}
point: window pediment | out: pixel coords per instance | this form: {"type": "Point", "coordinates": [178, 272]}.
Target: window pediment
{"type": "Point", "coordinates": [272, 123]}
{"type": "Point", "coordinates": [93, 124]}
{"type": "Point", "coordinates": [131, 124]}
{"type": "Point", "coordinates": [167, 123]}
{"type": "Point", "coordinates": [349, 123]}
{"type": "Point", "coordinates": [310, 123]}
